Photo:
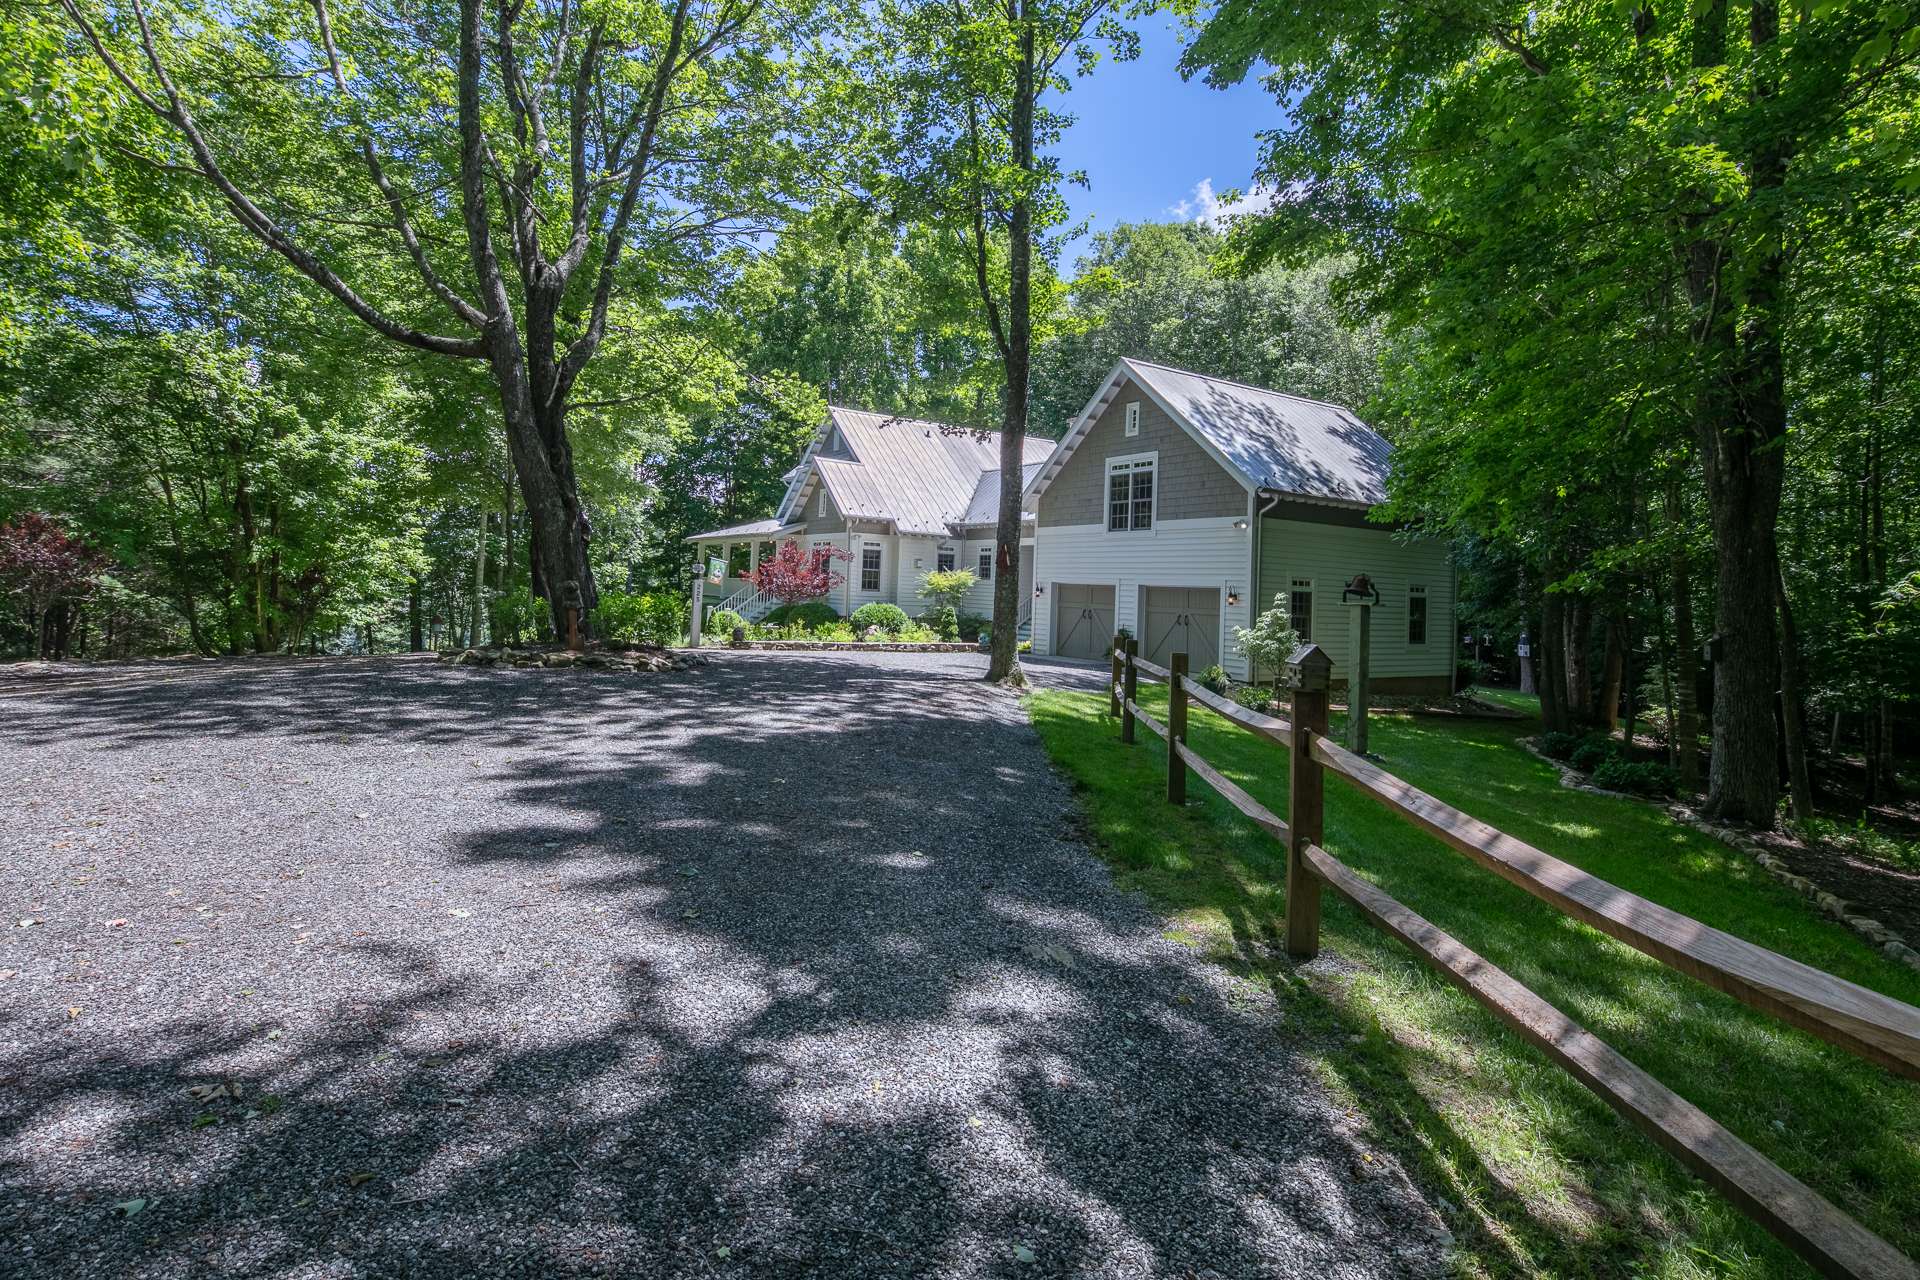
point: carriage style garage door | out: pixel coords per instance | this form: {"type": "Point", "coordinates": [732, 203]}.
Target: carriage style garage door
{"type": "Point", "coordinates": [1082, 620]}
{"type": "Point", "coordinates": [1181, 620]}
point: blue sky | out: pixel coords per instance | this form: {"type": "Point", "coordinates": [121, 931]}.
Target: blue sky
{"type": "Point", "coordinates": [1147, 139]}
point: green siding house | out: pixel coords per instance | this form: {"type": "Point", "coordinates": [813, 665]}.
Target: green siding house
{"type": "Point", "coordinates": [1178, 506]}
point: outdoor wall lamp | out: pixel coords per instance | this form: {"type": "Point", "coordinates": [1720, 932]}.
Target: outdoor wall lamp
{"type": "Point", "coordinates": [1239, 524]}
{"type": "Point", "coordinates": [1233, 595]}
{"type": "Point", "coordinates": [1038, 591]}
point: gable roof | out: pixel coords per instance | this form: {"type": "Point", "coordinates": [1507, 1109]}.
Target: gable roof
{"type": "Point", "coordinates": [984, 506]}
{"type": "Point", "coordinates": [1271, 440]}
{"type": "Point", "coordinates": [920, 476]}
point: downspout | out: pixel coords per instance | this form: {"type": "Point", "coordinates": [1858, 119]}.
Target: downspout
{"type": "Point", "coordinates": [1253, 580]}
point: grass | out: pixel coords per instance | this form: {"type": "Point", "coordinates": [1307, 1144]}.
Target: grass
{"type": "Point", "coordinates": [1535, 1175]}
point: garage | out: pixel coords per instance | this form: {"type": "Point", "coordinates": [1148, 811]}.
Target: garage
{"type": "Point", "coordinates": [1082, 620]}
{"type": "Point", "coordinates": [1181, 620]}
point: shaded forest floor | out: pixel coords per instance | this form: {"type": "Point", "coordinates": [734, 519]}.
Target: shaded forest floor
{"type": "Point", "coordinates": [1536, 1176]}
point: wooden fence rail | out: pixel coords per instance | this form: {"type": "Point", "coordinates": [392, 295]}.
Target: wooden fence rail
{"type": "Point", "coordinates": [1873, 1026]}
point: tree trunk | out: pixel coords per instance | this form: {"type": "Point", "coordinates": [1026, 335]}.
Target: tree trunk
{"type": "Point", "coordinates": [1555, 715]}
{"type": "Point", "coordinates": [1579, 675]}
{"type": "Point", "coordinates": [416, 632]}
{"type": "Point", "coordinates": [1793, 703]}
{"type": "Point", "coordinates": [1684, 724]}
{"type": "Point", "coordinates": [474, 636]}
{"type": "Point", "coordinates": [1613, 672]}
{"type": "Point", "coordinates": [1004, 660]}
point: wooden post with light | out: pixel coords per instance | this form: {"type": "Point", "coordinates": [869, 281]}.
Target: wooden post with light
{"type": "Point", "coordinates": [1308, 676]}
{"type": "Point", "coordinates": [1360, 595]}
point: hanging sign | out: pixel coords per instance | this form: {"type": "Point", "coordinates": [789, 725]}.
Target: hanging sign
{"type": "Point", "coordinates": [716, 570]}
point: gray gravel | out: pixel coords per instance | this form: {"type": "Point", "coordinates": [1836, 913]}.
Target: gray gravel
{"type": "Point", "coordinates": [793, 965]}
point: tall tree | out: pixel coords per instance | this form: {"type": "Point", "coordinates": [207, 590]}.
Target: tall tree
{"type": "Point", "coordinates": [974, 76]}
{"type": "Point", "coordinates": [622, 127]}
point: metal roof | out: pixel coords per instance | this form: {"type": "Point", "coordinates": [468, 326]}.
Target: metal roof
{"type": "Point", "coordinates": [920, 476]}
{"type": "Point", "coordinates": [743, 530]}
{"type": "Point", "coordinates": [1273, 440]}
{"type": "Point", "coordinates": [984, 508]}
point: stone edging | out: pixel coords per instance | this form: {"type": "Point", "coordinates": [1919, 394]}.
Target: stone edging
{"type": "Point", "coordinates": [1877, 934]}
{"type": "Point", "coordinates": [856, 646]}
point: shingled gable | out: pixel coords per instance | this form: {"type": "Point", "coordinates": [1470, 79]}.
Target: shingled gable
{"type": "Point", "coordinates": [1268, 440]}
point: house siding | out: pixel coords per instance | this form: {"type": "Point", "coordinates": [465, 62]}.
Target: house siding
{"type": "Point", "coordinates": [1206, 553]}
{"type": "Point", "coordinates": [832, 522]}
{"type": "Point", "coordinates": [1190, 485]}
{"type": "Point", "coordinates": [1329, 555]}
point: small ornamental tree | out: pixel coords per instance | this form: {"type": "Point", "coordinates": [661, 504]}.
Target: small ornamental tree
{"type": "Point", "coordinates": [797, 573]}
{"type": "Point", "coordinates": [947, 588]}
{"type": "Point", "coordinates": [1271, 640]}
{"type": "Point", "coordinates": [50, 573]}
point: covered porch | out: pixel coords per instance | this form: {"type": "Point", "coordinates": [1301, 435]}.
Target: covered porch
{"type": "Point", "coordinates": [741, 548]}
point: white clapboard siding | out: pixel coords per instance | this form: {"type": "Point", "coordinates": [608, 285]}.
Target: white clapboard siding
{"type": "Point", "coordinates": [1329, 556]}
{"type": "Point", "coordinates": [1207, 553]}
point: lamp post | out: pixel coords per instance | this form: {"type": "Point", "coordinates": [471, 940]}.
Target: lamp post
{"type": "Point", "coordinates": [1359, 595]}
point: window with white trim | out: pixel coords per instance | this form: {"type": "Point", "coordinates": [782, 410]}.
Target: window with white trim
{"type": "Point", "coordinates": [822, 510]}
{"type": "Point", "coordinates": [944, 560]}
{"type": "Point", "coordinates": [1416, 615]}
{"type": "Point", "coordinates": [985, 573]}
{"type": "Point", "coordinates": [1130, 493]}
{"type": "Point", "coordinates": [1133, 418]}
{"type": "Point", "coordinates": [870, 567]}
{"type": "Point", "coordinates": [1300, 608]}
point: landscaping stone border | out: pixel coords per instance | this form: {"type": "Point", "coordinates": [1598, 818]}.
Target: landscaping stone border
{"type": "Point", "coordinates": [1877, 934]}
{"type": "Point", "coordinates": [858, 646]}
{"type": "Point", "coordinates": [591, 660]}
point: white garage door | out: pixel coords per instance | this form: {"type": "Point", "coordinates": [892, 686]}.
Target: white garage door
{"type": "Point", "coordinates": [1082, 620]}
{"type": "Point", "coordinates": [1182, 620]}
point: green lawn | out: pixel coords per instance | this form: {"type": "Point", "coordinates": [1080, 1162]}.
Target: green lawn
{"type": "Point", "coordinates": [1536, 1176]}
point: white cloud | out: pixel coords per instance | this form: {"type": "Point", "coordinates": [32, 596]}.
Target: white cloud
{"type": "Point", "coordinates": [1204, 205]}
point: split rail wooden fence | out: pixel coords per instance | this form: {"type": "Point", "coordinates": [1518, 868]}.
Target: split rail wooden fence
{"type": "Point", "coordinates": [1866, 1023]}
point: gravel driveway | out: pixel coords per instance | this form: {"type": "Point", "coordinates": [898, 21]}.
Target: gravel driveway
{"type": "Point", "coordinates": [792, 965]}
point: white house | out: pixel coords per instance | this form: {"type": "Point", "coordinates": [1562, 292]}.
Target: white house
{"type": "Point", "coordinates": [1178, 505]}
{"type": "Point", "coordinates": [900, 496]}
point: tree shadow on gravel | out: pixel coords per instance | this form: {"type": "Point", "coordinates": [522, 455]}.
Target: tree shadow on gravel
{"type": "Point", "coordinates": [789, 968]}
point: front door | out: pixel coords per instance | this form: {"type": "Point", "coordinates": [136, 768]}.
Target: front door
{"type": "Point", "coordinates": [1182, 620]}
{"type": "Point", "coordinates": [1082, 620]}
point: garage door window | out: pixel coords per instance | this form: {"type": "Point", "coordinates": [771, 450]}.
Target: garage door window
{"type": "Point", "coordinates": [1130, 494]}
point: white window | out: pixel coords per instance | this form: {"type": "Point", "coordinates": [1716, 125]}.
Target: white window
{"type": "Point", "coordinates": [1130, 493]}
{"type": "Point", "coordinates": [985, 573]}
{"type": "Point", "coordinates": [823, 501]}
{"type": "Point", "coordinates": [870, 567]}
{"type": "Point", "coordinates": [944, 560]}
{"type": "Point", "coordinates": [1133, 418]}
{"type": "Point", "coordinates": [1300, 608]}
{"type": "Point", "coordinates": [1416, 615]}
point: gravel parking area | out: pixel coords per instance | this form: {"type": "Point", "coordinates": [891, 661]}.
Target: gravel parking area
{"type": "Point", "coordinates": [793, 965]}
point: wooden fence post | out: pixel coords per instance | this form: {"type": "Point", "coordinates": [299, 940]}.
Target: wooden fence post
{"type": "Point", "coordinates": [1113, 686]}
{"type": "Point", "coordinates": [1129, 689]}
{"type": "Point", "coordinates": [1309, 672]}
{"type": "Point", "coordinates": [1176, 728]}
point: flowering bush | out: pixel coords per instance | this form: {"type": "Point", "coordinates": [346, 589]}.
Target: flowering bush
{"type": "Point", "coordinates": [796, 573]}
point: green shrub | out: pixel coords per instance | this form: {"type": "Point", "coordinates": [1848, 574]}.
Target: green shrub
{"type": "Point", "coordinates": [1559, 745]}
{"type": "Point", "coordinates": [658, 618]}
{"type": "Point", "coordinates": [947, 588]}
{"type": "Point", "coordinates": [519, 615]}
{"type": "Point", "coordinates": [944, 622]}
{"type": "Point", "coordinates": [1215, 678]}
{"type": "Point", "coordinates": [808, 613]}
{"type": "Point", "coordinates": [890, 618]}
{"type": "Point", "coordinates": [1636, 777]}
{"type": "Point", "coordinates": [721, 622]}
{"type": "Point", "coordinates": [972, 625]}
{"type": "Point", "coordinates": [1256, 697]}
{"type": "Point", "coordinates": [1593, 751]}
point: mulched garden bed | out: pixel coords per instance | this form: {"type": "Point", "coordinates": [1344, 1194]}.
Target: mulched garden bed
{"type": "Point", "coordinates": [637, 658]}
